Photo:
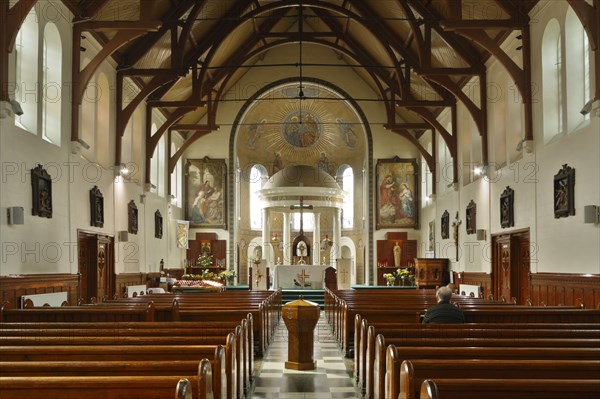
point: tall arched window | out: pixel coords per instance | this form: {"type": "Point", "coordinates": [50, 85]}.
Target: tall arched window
{"type": "Point", "coordinates": [577, 56]}
{"type": "Point", "coordinates": [347, 175]}
{"type": "Point", "coordinates": [446, 169]}
{"type": "Point", "coordinates": [176, 178]}
{"type": "Point", "coordinates": [26, 68]}
{"type": "Point", "coordinates": [162, 167]}
{"type": "Point", "coordinates": [256, 181]}
{"type": "Point", "coordinates": [87, 124]}
{"type": "Point", "coordinates": [552, 67]}
{"type": "Point", "coordinates": [52, 83]}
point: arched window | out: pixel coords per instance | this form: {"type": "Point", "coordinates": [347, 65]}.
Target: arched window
{"type": "Point", "coordinates": [52, 82]}
{"type": "Point", "coordinates": [26, 68]}
{"type": "Point", "coordinates": [445, 174]}
{"type": "Point", "coordinates": [102, 122]}
{"type": "Point", "coordinates": [347, 175]}
{"type": "Point", "coordinates": [577, 56]}
{"type": "Point", "coordinates": [308, 221]}
{"type": "Point", "coordinates": [552, 81]}
{"type": "Point", "coordinates": [256, 181]}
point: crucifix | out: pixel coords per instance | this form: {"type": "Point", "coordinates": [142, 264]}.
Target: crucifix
{"type": "Point", "coordinates": [455, 225]}
{"type": "Point", "coordinates": [303, 277]}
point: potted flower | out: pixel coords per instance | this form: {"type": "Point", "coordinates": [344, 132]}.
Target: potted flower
{"type": "Point", "coordinates": [403, 274]}
{"type": "Point", "coordinates": [227, 276]}
{"type": "Point", "coordinates": [389, 278]}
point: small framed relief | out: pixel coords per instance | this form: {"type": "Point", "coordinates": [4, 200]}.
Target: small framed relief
{"type": "Point", "coordinates": [132, 217]}
{"type": "Point", "coordinates": [564, 192]}
{"type": "Point", "coordinates": [158, 224]}
{"type": "Point", "coordinates": [96, 207]}
{"type": "Point", "coordinates": [471, 217]}
{"type": "Point", "coordinates": [507, 215]}
{"type": "Point", "coordinates": [41, 190]}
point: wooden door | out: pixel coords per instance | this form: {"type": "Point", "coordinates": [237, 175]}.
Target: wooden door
{"type": "Point", "coordinates": [96, 266]}
{"type": "Point", "coordinates": [511, 267]}
{"type": "Point", "coordinates": [501, 275]}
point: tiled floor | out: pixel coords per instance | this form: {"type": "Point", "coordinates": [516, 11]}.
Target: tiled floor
{"type": "Point", "coordinates": [331, 378]}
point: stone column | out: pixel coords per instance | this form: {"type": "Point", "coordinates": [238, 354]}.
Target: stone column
{"type": "Point", "coordinates": [266, 234]}
{"type": "Point", "coordinates": [337, 234]}
{"type": "Point", "coordinates": [316, 242]}
{"type": "Point", "coordinates": [287, 245]}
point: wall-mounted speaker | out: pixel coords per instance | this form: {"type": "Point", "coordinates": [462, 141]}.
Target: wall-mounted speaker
{"type": "Point", "coordinates": [16, 215]}
{"type": "Point", "coordinates": [591, 214]}
{"type": "Point", "coordinates": [481, 235]}
{"type": "Point", "coordinates": [123, 236]}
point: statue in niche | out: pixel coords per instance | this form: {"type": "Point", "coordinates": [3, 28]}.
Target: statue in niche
{"type": "Point", "coordinates": [397, 254]}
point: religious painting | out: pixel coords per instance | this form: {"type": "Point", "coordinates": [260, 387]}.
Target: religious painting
{"type": "Point", "coordinates": [445, 231]}
{"type": "Point", "coordinates": [471, 217]}
{"type": "Point", "coordinates": [132, 217]}
{"type": "Point", "coordinates": [564, 192]}
{"type": "Point", "coordinates": [41, 185]}
{"type": "Point", "coordinates": [205, 189]}
{"type": "Point", "coordinates": [507, 217]}
{"type": "Point", "coordinates": [158, 224]}
{"type": "Point", "coordinates": [397, 193]}
{"type": "Point", "coordinates": [96, 207]}
{"type": "Point", "coordinates": [183, 231]}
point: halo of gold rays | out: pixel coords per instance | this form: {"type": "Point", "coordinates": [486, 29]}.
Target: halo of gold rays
{"type": "Point", "coordinates": [276, 116]}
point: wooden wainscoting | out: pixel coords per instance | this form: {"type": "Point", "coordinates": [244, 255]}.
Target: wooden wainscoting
{"type": "Point", "coordinates": [123, 280]}
{"type": "Point", "coordinates": [13, 287]}
{"type": "Point", "coordinates": [565, 289]}
{"type": "Point", "coordinates": [484, 280]}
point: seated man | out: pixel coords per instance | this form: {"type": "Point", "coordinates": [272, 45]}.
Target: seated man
{"type": "Point", "coordinates": [444, 311]}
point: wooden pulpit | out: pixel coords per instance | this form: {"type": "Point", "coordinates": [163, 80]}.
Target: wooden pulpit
{"type": "Point", "coordinates": [300, 318]}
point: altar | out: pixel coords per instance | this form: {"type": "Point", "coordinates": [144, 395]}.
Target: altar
{"type": "Point", "coordinates": [299, 276]}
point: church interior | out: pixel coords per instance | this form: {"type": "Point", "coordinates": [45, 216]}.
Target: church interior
{"type": "Point", "coordinates": [366, 150]}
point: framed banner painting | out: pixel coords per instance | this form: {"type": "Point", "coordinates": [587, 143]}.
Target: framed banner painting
{"type": "Point", "coordinates": [205, 189]}
{"type": "Point", "coordinates": [397, 193]}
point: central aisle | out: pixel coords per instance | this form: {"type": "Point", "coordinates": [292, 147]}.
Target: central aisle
{"type": "Point", "coordinates": [331, 379]}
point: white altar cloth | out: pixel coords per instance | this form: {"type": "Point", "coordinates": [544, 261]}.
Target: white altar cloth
{"type": "Point", "coordinates": [299, 276]}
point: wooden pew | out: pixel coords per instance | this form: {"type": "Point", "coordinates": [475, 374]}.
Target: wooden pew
{"type": "Point", "coordinates": [396, 355]}
{"type": "Point", "coordinates": [132, 312]}
{"type": "Point", "coordinates": [224, 359]}
{"type": "Point", "coordinates": [119, 329]}
{"type": "Point", "coordinates": [109, 387]}
{"type": "Point", "coordinates": [376, 346]}
{"type": "Point", "coordinates": [414, 372]}
{"type": "Point", "coordinates": [514, 389]}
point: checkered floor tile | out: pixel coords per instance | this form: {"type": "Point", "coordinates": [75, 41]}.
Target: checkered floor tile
{"type": "Point", "coordinates": [331, 379]}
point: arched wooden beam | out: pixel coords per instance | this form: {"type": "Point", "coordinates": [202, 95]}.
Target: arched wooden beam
{"type": "Point", "coordinates": [450, 139]}
{"type": "Point", "coordinates": [423, 43]}
{"type": "Point", "coordinates": [476, 113]}
{"type": "Point", "coordinates": [177, 58]}
{"type": "Point", "coordinates": [522, 77]}
{"type": "Point", "coordinates": [325, 43]}
{"type": "Point", "coordinates": [123, 115]}
{"type": "Point", "coordinates": [80, 78]}
{"type": "Point", "coordinates": [407, 135]}
{"type": "Point", "coordinates": [11, 19]}
{"type": "Point", "coordinates": [462, 47]}
{"type": "Point", "coordinates": [202, 131]}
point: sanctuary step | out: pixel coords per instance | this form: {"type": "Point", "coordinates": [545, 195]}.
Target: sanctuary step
{"type": "Point", "coordinates": [317, 296]}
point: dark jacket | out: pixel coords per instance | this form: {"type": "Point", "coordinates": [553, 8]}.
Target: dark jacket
{"type": "Point", "coordinates": [444, 312]}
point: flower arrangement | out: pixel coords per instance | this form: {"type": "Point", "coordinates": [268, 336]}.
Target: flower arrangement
{"type": "Point", "coordinates": [390, 278]}
{"type": "Point", "coordinates": [204, 260]}
{"type": "Point", "coordinates": [228, 275]}
{"type": "Point", "coordinates": [403, 273]}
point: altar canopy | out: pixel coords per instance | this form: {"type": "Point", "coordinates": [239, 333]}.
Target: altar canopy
{"type": "Point", "coordinates": [299, 276]}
